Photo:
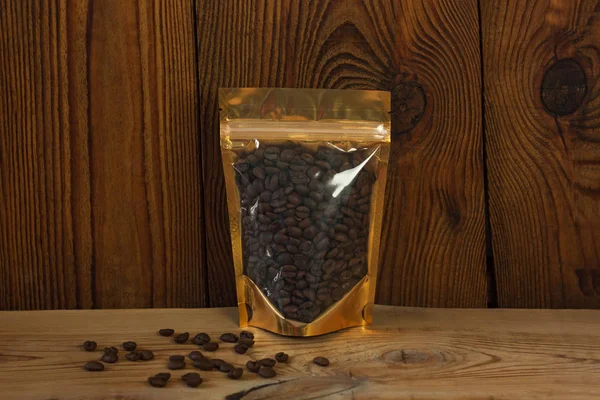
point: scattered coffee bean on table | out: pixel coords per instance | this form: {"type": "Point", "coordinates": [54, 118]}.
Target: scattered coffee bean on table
{"type": "Point", "coordinates": [94, 366]}
{"type": "Point", "coordinates": [212, 346]}
{"type": "Point", "coordinates": [158, 381]}
{"type": "Point", "coordinates": [166, 332]}
{"type": "Point", "coordinates": [267, 362]}
{"type": "Point", "coordinates": [266, 372]}
{"type": "Point", "coordinates": [146, 355]}
{"type": "Point", "coordinates": [176, 362]}
{"type": "Point", "coordinates": [89, 345]}
{"type": "Point", "coordinates": [216, 362]}
{"type": "Point", "coordinates": [225, 367]}
{"type": "Point", "coordinates": [235, 373]}
{"type": "Point", "coordinates": [164, 375]}
{"type": "Point", "coordinates": [195, 355]}
{"type": "Point", "coordinates": [322, 361]}
{"type": "Point", "coordinates": [111, 349]}
{"type": "Point", "coordinates": [110, 358]}
{"type": "Point", "coordinates": [246, 342]}
{"type": "Point", "coordinates": [281, 357]}
{"type": "Point", "coordinates": [129, 346]}
{"type": "Point", "coordinates": [133, 356]}
{"type": "Point", "coordinates": [246, 335]}
{"type": "Point", "coordinates": [192, 379]}
{"type": "Point", "coordinates": [204, 364]}
{"type": "Point", "coordinates": [305, 239]}
{"type": "Point", "coordinates": [201, 338]}
{"type": "Point", "coordinates": [240, 348]}
{"type": "Point", "coordinates": [182, 338]}
{"type": "Point", "coordinates": [253, 366]}
{"type": "Point", "coordinates": [229, 338]}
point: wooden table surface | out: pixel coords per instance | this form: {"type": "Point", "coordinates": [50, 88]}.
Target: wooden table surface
{"type": "Point", "coordinates": [409, 353]}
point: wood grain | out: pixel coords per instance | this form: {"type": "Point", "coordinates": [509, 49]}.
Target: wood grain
{"type": "Point", "coordinates": [408, 353]}
{"type": "Point", "coordinates": [434, 238]}
{"type": "Point", "coordinates": [543, 150]}
{"type": "Point", "coordinates": [99, 162]}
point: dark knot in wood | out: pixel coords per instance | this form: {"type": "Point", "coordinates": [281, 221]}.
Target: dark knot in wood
{"type": "Point", "coordinates": [564, 87]}
{"type": "Point", "coordinates": [408, 106]}
{"type": "Point", "coordinates": [409, 356]}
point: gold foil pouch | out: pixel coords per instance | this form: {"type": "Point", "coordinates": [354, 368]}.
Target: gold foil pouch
{"type": "Point", "coordinates": [305, 172]}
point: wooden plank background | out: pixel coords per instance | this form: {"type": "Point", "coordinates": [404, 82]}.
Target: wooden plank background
{"type": "Point", "coordinates": [544, 167]}
{"type": "Point", "coordinates": [111, 190]}
{"type": "Point", "coordinates": [100, 184]}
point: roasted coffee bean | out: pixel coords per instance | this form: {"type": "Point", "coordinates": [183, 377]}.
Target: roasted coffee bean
{"type": "Point", "coordinates": [94, 366]}
{"type": "Point", "coordinates": [297, 164]}
{"type": "Point", "coordinates": [266, 372]}
{"type": "Point", "coordinates": [204, 364]}
{"type": "Point", "coordinates": [259, 172]}
{"type": "Point", "coordinates": [267, 362]}
{"type": "Point", "coordinates": [182, 338]}
{"type": "Point", "coordinates": [229, 338]}
{"type": "Point", "coordinates": [164, 375]}
{"type": "Point", "coordinates": [246, 342]}
{"type": "Point", "coordinates": [195, 355]}
{"type": "Point", "coordinates": [294, 231]}
{"type": "Point", "coordinates": [314, 172]}
{"type": "Point", "coordinates": [271, 171]}
{"type": "Point", "coordinates": [133, 356]}
{"type": "Point", "coordinates": [253, 366]}
{"type": "Point", "coordinates": [176, 363]}
{"type": "Point", "coordinates": [302, 212]}
{"type": "Point", "coordinates": [201, 338]}
{"type": "Point", "coordinates": [158, 381]}
{"type": "Point", "coordinates": [210, 346]}
{"type": "Point", "coordinates": [337, 293]}
{"type": "Point", "coordinates": [166, 332]}
{"type": "Point", "coordinates": [272, 153]}
{"type": "Point", "coordinates": [216, 362]}
{"type": "Point", "coordinates": [146, 355]}
{"type": "Point", "coordinates": [89, 345]}
{"type": "Point", "coordinates": [322, 361]}
{"type": "Point", "coordinates": [192, 379]}
{"type": "Point", "coordinates": [288, 271]}
{"type": "Point", "coordinates": [252, 159]}
{"type": "Point", "coordinates": [225, 367]}
{"type": "Point", "coordinates": [110, 358]}
{"type": "Point", "coordinates": [111, 349]}
{"type": "Point", "coordinates": [129, 346]}
{"type": "Point", "coordinates": [302, 190]}
{"type": "Point", "coordinates": [299, 212]}
{"type": "Point", "coordinates": [287, 155]}
{"type": "Point", "coordinates": [281, 357]}
{"type": "Point", "coordinates": [290, 308]}
{"type": "Point", "coordinates": [235, 373]}
{"type": "Point", "coordinates": [247, 334]}
{"type": "Point", "coordinates": [240, 348]}
{"type": "Point", "coordinates": [323, 164]}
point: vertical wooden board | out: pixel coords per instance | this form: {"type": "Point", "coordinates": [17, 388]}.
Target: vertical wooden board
{"type": "Point", "coordinates": [542, 108]}
{"type": "Point", "coordinates": [146, 181]}
{"type": "Point", "coordinates": [434, 244]}
{"type": "Point", "coordinates": [39, 264]}
{"type": "Point", "coordinates": [434, 240]}
{"type": "Point", "coordinates": [99, 155]}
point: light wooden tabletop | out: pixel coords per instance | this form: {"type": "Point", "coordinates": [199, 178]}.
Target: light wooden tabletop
{"type": "Point", "coordinates": [409, 353]}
